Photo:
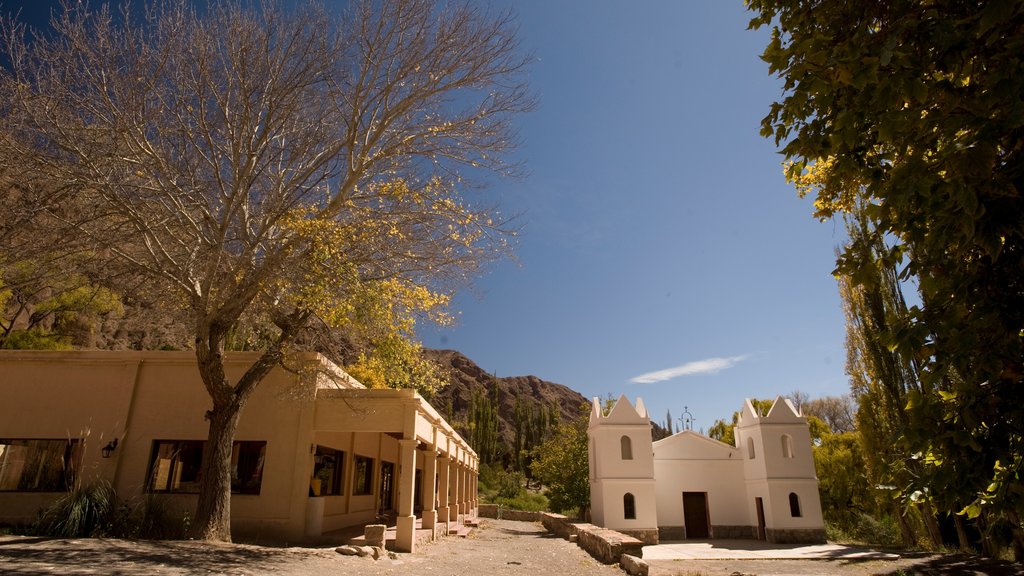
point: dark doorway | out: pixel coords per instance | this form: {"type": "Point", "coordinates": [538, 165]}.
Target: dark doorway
{"type": "Point", "coordinates": [759, 504]}
{"type": "Point", "coordinates": [387, 486]}
{"type": "Point", "coordinates": [695, 515]}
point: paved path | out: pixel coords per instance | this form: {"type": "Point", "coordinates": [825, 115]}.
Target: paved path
{"type": "Point", "coordinates": [758, 550]}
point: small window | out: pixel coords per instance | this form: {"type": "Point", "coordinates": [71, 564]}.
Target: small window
{"type": "Point", "coordinates": [39, 465]}
{"type": "Point", "coordinates": [362, 481]}
{"type": "Point", "coordinates": [328, 467]}
{"type": "Point", "coordinates": [750, 448]}
{"type": "Point", "coordinates": [247, 467]}
{"type": "Point", "coordinates": [629, 507]}
{"type": "Point", "coordinates": [627, 448]}
{"type": "Point", "coordinates": [787, 446]}
{"type": "Point", "coordinates": [176, 466]}
{"type": "Point", "coordinates": [794, 505]}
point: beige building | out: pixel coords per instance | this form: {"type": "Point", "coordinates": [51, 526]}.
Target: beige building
{"type": "Point", "coordinates": [689, 486]}
{"type": "Point", "coordinates": [314, 452]}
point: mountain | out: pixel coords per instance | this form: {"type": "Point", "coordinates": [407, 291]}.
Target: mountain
{"type": "Point", "coordinates": [501, 417]}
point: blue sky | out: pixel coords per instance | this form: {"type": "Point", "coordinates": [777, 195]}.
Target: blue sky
{"type": "Point", "coordinates": [662, 255]}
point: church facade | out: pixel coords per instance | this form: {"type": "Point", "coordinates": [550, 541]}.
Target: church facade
{"type": "Point", "coordinates": [690, 486]}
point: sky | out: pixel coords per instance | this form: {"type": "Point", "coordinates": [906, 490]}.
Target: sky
{"type": "Point", "coordinates": [662, 253]}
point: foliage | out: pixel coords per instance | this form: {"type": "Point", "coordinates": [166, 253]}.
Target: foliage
{"type": "Point", "coordinates": [483, 423]}
{"type": "Point", "coordinates": [865, 530]}
{"type": "Point", "coordinates": [47, 309]}
{"type": "Point", "coordinates": [274, 171]}
{"type": "Point", "coordinates": [562, 465]}
{"type": "Point", "coordinates": [526, 501]}
{"type": "Point", "coordinates": [837, 412]}
{"type": "Point", "coordinates": [723, 431]}
{"type": "Point", "coordinates": [912, 112]}
{"type": "Point", "coordinates": [83, 511]}
{"type": "Point", "coordinates": [846, 492]}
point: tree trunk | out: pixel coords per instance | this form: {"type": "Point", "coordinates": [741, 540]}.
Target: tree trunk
{"type": "Point", "coordinates": [932, 524]}
{"type": "Point", "coordinates": [909, 538]}
{"type": "Point", "coordinates": [1018, 536]}
{"type": "Point", "coordinates": [961, 534]}
{"type": "Point", "coordinates": [213, 511]}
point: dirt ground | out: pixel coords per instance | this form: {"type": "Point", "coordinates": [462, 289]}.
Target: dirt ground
{"type": "Point", "coordinates": [497, 547]}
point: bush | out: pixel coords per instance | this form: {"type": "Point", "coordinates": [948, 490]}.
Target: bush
{"type": "Point", "coordinates": [865, 529]}
{"type": "Point", "coordinates": [510, 484]}
{"type": "Point", "coordinates": [525, 501]}
{"type": "Point", "coordinates": [82, 511]}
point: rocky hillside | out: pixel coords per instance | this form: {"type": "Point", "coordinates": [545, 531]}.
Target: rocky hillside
{"type": "Point", "coordinates": [480, 405]}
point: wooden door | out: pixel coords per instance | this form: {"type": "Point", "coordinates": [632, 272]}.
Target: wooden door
{"type": "Point", "coordinates": [695, 515]}
{"type": "Point", "coordinates": [760, 518]}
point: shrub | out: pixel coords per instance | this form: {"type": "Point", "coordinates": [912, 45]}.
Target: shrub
{"type": "Point", "coordinates": [82, 511]}
{"type": "Point", "coordinates": [525, 501]}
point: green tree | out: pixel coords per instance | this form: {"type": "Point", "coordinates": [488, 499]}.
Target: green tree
{"type": "Point", "coordinates": [914, 109]}
{"type": "Point", "coordinates": [278, 168]}
{"type": "Point", "coordinates": [562, 465]}
{"type": "Point", "coordinates": [723, 431]}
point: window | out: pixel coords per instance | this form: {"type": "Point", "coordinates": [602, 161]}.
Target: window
{"type": "Point", "coordinates": [787, 446]}
{"type": "Point", "coordinates": [629, 507]}
{"type": "Point", "coordinates": [39, 465]}
{"type": "Point", "coordinates": [794, 505]}
{"type": "Point", "coordinates": [750, 448]}
{"type": "Point", "coordinates": [328, 467]}
{"type": "Point", "coordinates": [362, 480]}
{"type": "Point", "coordinates": [247, 467]}
{"type": "Point", "coordinates": [175, 466]}
{"type": "Point", "coordinates": [627, 448]}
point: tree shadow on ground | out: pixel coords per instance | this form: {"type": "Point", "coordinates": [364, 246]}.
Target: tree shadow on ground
{"type": "Point", "coordinates": [961, 565]}
{"type": "Point", "coordinates": [125, 558]}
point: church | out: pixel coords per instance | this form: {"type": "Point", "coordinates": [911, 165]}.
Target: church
{"type": "Point", "coordinates": [689, 486]}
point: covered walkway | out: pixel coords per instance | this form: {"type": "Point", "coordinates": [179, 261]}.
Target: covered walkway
{"type": "Point", "coordinates": [389, 454]}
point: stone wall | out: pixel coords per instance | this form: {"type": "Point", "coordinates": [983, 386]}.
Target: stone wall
{"type": "Point", "coordinates": [649, 536]}
{"type": "Point", "coordinates": [734, 532]}
{"type": "Point", "coordinates": [668, 533]}
{"type": "Point", "coordinates": [796, 535]}
{"type": "Point", "coordinates": [495, 511]}
{"type": "Point", "coordinates": [556, 524]}
{"type": "Point", "coordinates": [605, 545]}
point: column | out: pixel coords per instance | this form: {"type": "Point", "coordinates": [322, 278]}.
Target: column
{"type": "Point", "coordinates": [464, 485]}
{"type": "Point", "coordinates": [474, 489]}
{"type": "Point", "coordinates": [429, 489]}
{"type": "Point", "coordinates": [405, 539]}
{"type": "Point", "coordinates": [453, 500]}
{"type": "Point", "coordinates": [443, 468]}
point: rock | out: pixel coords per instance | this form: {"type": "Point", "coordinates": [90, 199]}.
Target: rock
{"type": "Point", "coordinates": [364, 551]}
{"type": "Point", "coordinates": [633, 565]}
{"type": "Point", "coordinates": [347, 550]}
{"type": "Point", "coordinates": [374, 534]}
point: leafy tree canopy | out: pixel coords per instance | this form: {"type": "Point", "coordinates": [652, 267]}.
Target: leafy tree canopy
{"type": "Point", "coordinates": [915, 110]}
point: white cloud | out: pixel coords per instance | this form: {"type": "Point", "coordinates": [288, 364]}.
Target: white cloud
{"type": "Point", "coordinates": [706, 366]}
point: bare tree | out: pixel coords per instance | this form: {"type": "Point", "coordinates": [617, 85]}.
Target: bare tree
{"type": "Point", "coordinates": [297, 167]}
{"type": "Point", "coordinates": [838, 412]}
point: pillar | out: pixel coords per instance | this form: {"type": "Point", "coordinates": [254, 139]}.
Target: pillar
{"type": "Point", "coordinates": [443, 469]}
{"type": "Point", "coordinates": [453, 499]}
{"type": "Point", "coordinates": [429, 489]}
{"type": "Point", "coordinates": [405, 538]}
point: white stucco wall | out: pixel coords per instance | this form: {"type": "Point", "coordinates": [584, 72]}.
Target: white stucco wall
{"type": "Point", "coordinates": [689, 462]}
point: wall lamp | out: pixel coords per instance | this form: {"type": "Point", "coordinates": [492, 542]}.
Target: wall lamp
{"type": "Point", "coordinates": [107, 450]}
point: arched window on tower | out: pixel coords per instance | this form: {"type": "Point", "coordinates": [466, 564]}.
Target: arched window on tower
{"type": "Point", "coordinates": [794, 505]}
{"type": "Point", "coordinates": [750, 448]}
{"type": "Point", "coordinates": [629, 507]}
{"type": "Point", "coordinates": [627, 448]}
{"type": "Point", "coordinates": [787, 446]}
